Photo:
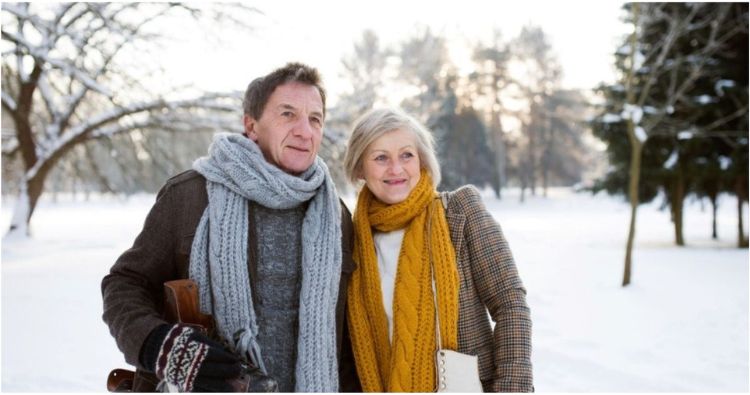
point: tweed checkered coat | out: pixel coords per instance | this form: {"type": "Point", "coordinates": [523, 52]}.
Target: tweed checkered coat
{"type": "Point", "coordinates": [489, 282]}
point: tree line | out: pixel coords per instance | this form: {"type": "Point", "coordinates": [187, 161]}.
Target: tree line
{"type": "Point", "coordinates": [77, 118]}
{"type": "Point", "coordinates": [467, 111]}
{"type": "Point", "coordinates": [676, 122]}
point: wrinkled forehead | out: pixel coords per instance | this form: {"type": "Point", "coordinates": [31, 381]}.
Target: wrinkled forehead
{"type": "Point", "coordinates": [298, 96]}
{"type": "Point", "coordinates": [393, 140]}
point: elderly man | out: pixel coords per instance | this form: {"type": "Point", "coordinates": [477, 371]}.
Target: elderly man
{"type": "Point", "coordinates": [258, 225]}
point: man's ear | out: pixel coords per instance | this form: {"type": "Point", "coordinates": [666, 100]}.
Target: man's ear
{"type": "Point", "coordinates": [250, 127]}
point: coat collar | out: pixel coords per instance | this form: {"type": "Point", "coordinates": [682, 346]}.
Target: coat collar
{"type": "Point", "coordinates": [456, 221]}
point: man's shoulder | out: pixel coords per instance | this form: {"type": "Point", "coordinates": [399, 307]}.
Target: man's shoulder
{"type": "Point", "coordinates": [186, 177]}
{"type": "Point", "coordinates": [188, 182]}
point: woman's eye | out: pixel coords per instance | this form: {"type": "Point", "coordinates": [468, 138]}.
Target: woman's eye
{"type": "Point", "coordinates": [407, 155]}
{"type": "Point", "coordinates": [381, 158]}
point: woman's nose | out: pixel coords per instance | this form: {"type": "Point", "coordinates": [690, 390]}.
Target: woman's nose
{"type": "Point", "coordinates": [396, 167]}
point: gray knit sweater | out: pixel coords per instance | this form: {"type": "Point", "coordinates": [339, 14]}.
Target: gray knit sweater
{"type": "Point", "coordinates": [277, 282]}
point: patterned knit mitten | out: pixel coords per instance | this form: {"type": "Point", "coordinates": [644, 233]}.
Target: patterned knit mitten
{"type": "Point", "coordinates": [189, 361]}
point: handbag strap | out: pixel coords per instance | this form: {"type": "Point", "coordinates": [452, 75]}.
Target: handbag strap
{"type": "Point", "coordinates": [444, 199]}
{"type": "Point", "coordinates": [432, 271]}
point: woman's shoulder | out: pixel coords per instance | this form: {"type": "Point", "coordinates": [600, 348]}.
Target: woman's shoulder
{"type": "Point", "coordinates": [464, 199]}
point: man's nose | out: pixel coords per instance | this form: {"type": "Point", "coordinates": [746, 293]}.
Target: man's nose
{"type": "Point", "coordinates": [303, 129]}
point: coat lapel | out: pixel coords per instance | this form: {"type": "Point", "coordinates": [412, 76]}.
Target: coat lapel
{"type": "Point", "coordinates": [456, 223]}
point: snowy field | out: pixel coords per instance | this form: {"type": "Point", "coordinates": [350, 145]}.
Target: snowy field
{"type": "Point", "coordinates": [682, 325]}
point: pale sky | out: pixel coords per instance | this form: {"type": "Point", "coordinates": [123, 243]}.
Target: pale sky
{"type": "Point", "coordinates": [583, 34]}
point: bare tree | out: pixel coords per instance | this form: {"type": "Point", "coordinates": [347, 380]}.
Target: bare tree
{"type": "Point", "coordinates": [425, 63]}
{"type": "Point", "coordinates": [564, 151]}
{"type": "Point", "coordinates": [64, 85]}
{"type": "Point", "coordinates": [541, 76]}
{"type": "Point", "coordinates": [491, 79]}
{"type": "Point", "coordinates": [365, 69]}
{"type": "Point", "coordinates": [636, 146]}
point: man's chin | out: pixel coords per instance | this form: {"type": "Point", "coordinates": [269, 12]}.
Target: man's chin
{"type": "Point", "coordinates": [296, 168]}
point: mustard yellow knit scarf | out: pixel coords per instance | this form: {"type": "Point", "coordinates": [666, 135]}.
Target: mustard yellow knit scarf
{"type": "Point", "coordinates": [407, 364]}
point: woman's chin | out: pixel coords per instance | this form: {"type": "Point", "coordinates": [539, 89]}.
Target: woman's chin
{"type": "Point", "coordinates": [393, 198]}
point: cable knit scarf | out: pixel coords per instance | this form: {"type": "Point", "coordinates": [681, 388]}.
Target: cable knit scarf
{"type": "Point", "coordinates": [407, 364]}
{"type": "Point", "coordinates": [236, 172]}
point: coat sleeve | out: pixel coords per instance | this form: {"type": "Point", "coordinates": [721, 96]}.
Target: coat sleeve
{"type": "Point", "coordinates": [500, 288]}
{"type": "Point", "coordinates": [348, 379]}
{"type": "Point", "coordinates": [132, 291]}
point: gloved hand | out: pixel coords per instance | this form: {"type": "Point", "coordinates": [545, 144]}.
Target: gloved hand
{"type": "Point", "coordinates": [254, 380]}
{"type": "Point", "coordinates": [188, 360]}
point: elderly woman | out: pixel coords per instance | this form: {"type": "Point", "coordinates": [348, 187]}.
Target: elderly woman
{"type": "Point", "coordinates": [409, 238]}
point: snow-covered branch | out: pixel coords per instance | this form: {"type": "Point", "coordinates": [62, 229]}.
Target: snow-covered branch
{"type": "Point", "coordinates": [694, 63]}
{"type": "Point", "coordinates": [8, 102]}
{"type": "Point", "coordinates": [632, 112]}
{"type": "Point", "coordinates": [112, 130]}
{"type": "Point", "coordinates": [10, 147]}
{"type": "Point", "coordinates": [96, 124]}
{"type": "Point", "coordinates": [721, 121]}
{"type": "Point", "coordinates": [48, 98]}
{"type": "Point", "coordinates": [67, 82]}
{"type": "Point", "coordinates": [666, 46]}
{"type": "Point", "coordinates": [64, 65]}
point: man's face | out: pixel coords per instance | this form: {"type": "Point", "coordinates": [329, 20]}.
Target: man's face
{"type": "Point", "coordinates": [291, 127]}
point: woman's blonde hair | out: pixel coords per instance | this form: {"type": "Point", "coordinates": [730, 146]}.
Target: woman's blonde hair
{"type": "Point", "coordinates": [377, 122]}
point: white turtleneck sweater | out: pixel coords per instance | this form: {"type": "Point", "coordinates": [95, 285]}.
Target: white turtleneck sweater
{"type": "Point", "coordinates": [388, 248]}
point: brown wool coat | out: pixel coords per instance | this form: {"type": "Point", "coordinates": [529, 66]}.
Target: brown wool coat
{"type": "Point", "coordinates": [133, 290]}
{"type": "Point", "coordinates": [489, 282]}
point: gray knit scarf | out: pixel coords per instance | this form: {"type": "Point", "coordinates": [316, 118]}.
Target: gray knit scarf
{"type": "Point", "coordinates": [236, 172]}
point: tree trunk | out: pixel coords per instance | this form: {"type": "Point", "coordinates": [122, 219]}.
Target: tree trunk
{"type": "Point", "coordinates": [31, 191]}
{"type": "Point", "coordinates": [498, 137]}
{"type": "Point", "coordinates": [678, 199]}
{"type": "Point", "coordinates": [635, 174]}
{"type": "Point", "coordinates": [636, 146]}
{"type": "Point", "coordinates": [19, 222]}
{"type": "Point", "coordinates": [547, 159]}
{"type": "Point", "coordinates": [497, 143]}
{"type": "Point", "coordinates": [545, 174]}
{"type": "Point", "coordinates": [496, 184]}
{"type": "Point", "coordinates": [531, 173]}
{"type": "Point", "coordinates": [499, 149]}
{"type": "Point", "coordinates": [742, 242]}
{"type": "Point", "coordinates": [714, 207]}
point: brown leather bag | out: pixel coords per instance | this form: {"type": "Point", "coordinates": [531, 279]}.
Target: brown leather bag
{"type": "Point", "coordinates": [181, 306]}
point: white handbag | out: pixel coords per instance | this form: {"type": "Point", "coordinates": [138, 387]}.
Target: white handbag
{"type": "Point", "coordinates": [455, 371]}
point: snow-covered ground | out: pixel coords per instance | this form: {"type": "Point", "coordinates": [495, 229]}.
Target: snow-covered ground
{"type": "Point", "coordinates": [682, 325]}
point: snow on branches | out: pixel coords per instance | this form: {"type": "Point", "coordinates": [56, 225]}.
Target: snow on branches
{"type": "Point", "coordinates": [66, 80]}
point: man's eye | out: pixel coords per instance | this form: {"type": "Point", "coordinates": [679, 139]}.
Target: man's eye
{"type": "Point", "coordinates": [316, 121]}
{"type": "Point", "coordinates": [286, 114]}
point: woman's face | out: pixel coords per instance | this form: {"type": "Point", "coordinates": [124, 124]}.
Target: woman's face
{"type": "Point", "coordinates": [390, 166]}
